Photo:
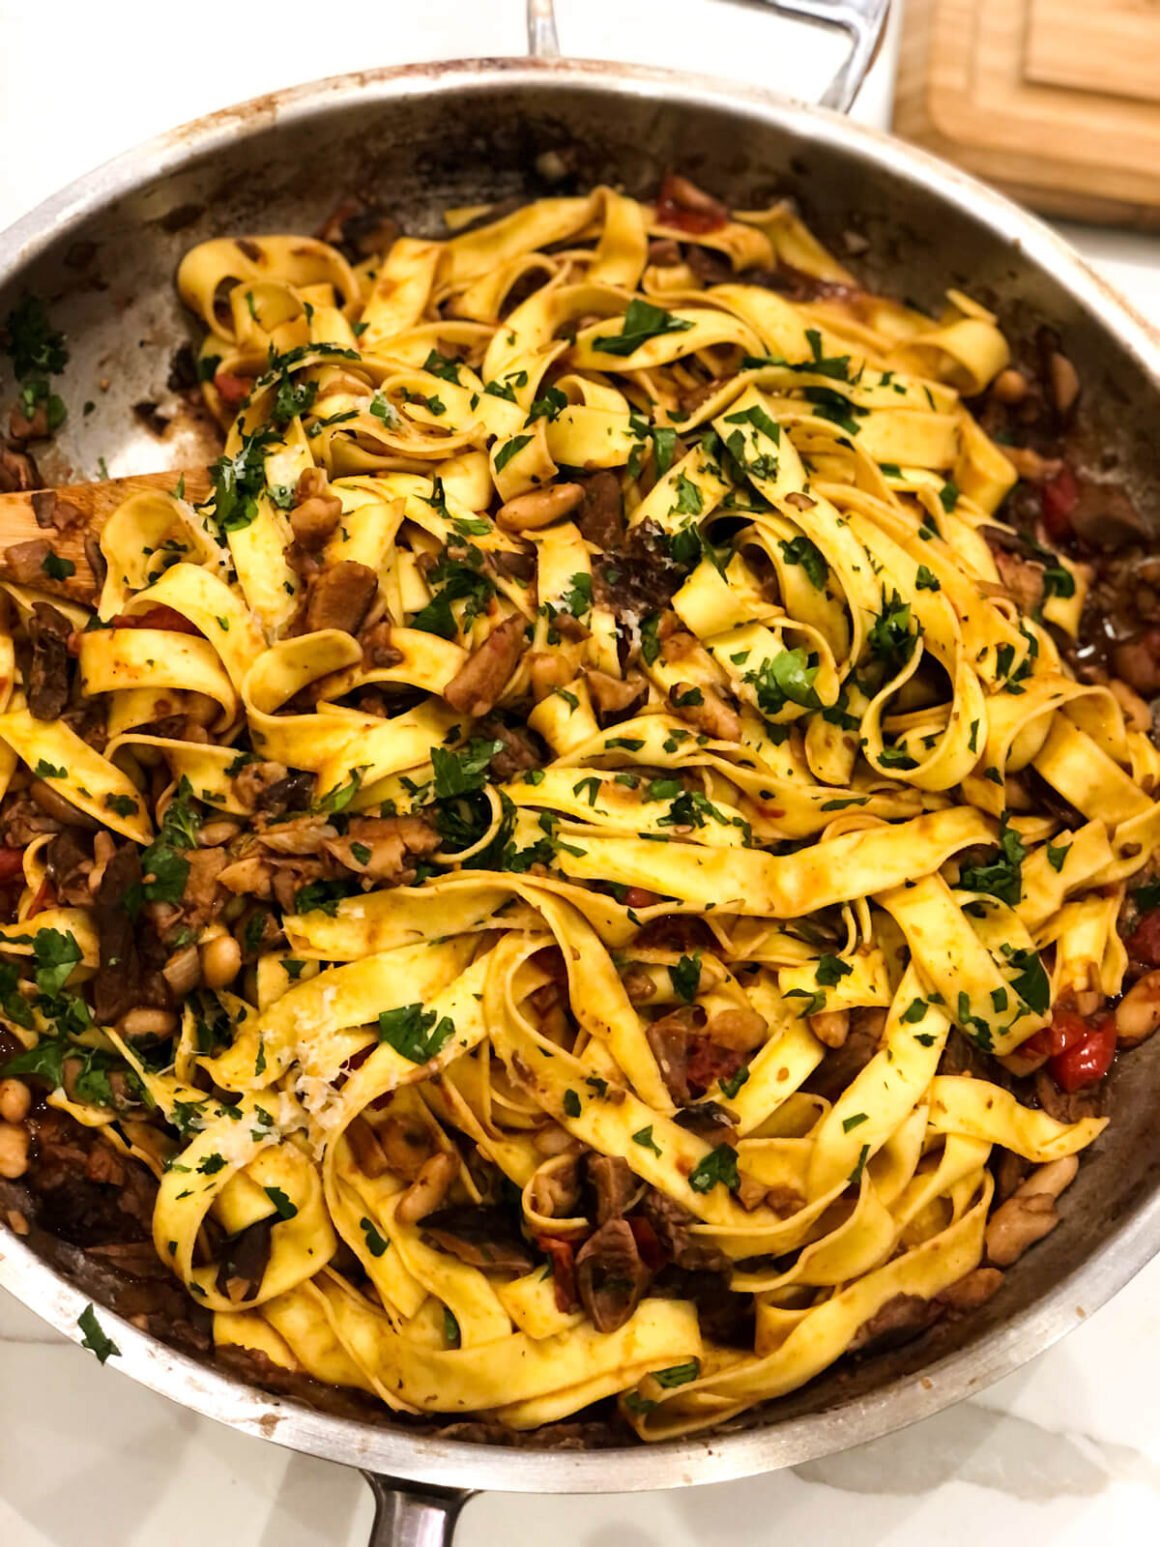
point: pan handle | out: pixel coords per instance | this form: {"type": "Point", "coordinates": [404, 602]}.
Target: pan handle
{"type": "Point", "coordinates": [863, 22]}
{"type": "Point", "coordinates": [413, 1514]}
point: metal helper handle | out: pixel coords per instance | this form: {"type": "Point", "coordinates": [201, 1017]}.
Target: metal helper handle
{"type": "Point", "coordinates": [413, 1514]}
{"type": "Point", "coordinates": [863, 22]}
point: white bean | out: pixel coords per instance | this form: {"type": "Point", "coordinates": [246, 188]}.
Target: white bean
{"type": "Point", "coordinates": [15, 1101]}
{"type": "Point", "coordinates": [1138, 1012]}
{"type": "Point", "coordinates": [13, 1151]}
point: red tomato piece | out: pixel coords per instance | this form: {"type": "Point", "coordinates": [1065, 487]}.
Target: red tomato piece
{"type": "Point", "coordinates": [1085, 1060]}
{"type": "Point", "coordinates": [652, 1253]}
{"type": "Point", "coordinates": [563, 1262]}
{"type": "Point", "coordinates": [1057, 499]}
{"type": "Point", "coordinates": [687, 209]}
{"type": "Point", "coordinates": [157, 617]}
{"type": "Point", "coordinates": [709, 1062]}
{"type": "Point", "coordinates": [45, 898]}
{"type": "Point", "coordinates": [1144, 942]}
{"type": "Point", "coordinates": [11, 864]}
{"type": "Point", "coordinates": [232, 389]}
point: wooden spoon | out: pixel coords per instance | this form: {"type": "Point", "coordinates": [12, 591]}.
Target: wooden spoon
{"type": "Point", "coordinates": [65, 517]}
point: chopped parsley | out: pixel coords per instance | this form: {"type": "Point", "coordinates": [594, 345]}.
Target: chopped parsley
{"type": "Point", "coordinates": [285, 1209]}
{"type": "Point", "coordinates": [718, 1167]}
{"type": "Point", "coordinates": [459, 773]}
{"type": "Point", "coordinates": [731, 1085]}
{"type": "Point", "coordinates": [1003, 876]}
{"type": "Point", "coordinates": [642, 321]}
{"type": "Point", "coordinates": [549, 405]}
{"type": "Point", "coordinates": [239, 481]}
{"type": "Point", "coordinates": [890, 639]}
{"type": "Point", "coordinates": [831, 969]}
{"type": "Point", "coordinates": [414, 1033]}
{"type": "Point", "coordinates": [96, 1339]}
{"type": "Point", "coordinates": [1057, 854]}
{"type": "Point", "coordinates": [376, 1243]}
{"type": "Point", "coordinates": [454, 580]}
{"type": "Point", "coordinates": [806, 553]}
{"type": "Point", "coordinates": [164, 867]}
{"type": "Point", "coordinates": [57, 568]}
{"type": "Point", "coordinates": [787, 677]}
{"type": "Point", "coordinates": [509, 449]}
{"type": "Point", "coordinates": [677, 1374]}
{"type": "Point", "coordinates": [686, 977]}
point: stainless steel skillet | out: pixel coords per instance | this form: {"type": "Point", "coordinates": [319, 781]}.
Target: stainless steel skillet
{"type": "Point", "coordinates": [103, 253]}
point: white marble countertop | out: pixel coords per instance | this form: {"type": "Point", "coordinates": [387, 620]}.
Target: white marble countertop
{"type": "Point", "coordinates": [1064, 1451]}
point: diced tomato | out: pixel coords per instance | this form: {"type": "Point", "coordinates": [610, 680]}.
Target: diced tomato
{"type": "Point", "coordinates": [1144, 942]}
{"type": "Point", "coordinates": [45, 898]}
{"type": "Point", "coordinates": [709, 1062]}
{"type": "Point", "coordinates": [697, 216]}
{"type": "Point", "coordinates": [1065, 1027]}
{"type": "Point", "coordinates": [156, 617]}
{"type": "Point", "coordinates": [11, 864]}
{"type": "Point", "coordinates": [652, 1253]}
{"type": "Point", "coordinates": [1085, 1059]}
{"type": "Point", "coordinates": [640, 897]}
{"type": "Point", "coordinates": [232, 389]}
{"type": "Point", "coordinates": [1057, 499]}
{"type": "Point", "coordinates": [563, 1262]}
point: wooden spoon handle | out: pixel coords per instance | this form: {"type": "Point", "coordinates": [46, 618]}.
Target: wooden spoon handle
{"type": "Point", "coordinates": [64, 517]}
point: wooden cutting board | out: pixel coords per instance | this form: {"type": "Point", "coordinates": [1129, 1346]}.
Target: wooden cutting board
{"type": "Point", "coordinates": [1055, 101]}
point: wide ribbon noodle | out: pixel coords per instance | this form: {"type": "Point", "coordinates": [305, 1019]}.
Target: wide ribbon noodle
{"type": "Point", "coordinates": [590, 701]}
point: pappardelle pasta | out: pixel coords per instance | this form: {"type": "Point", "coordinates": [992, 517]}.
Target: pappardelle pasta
{"type": "Point", "coordinates": [565, 867]}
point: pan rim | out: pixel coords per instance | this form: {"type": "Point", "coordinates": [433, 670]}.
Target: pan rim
{"type": "Point", "coordinates": [420, 1458]}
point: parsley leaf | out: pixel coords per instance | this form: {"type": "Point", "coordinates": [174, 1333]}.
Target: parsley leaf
{"type": "Point", "coordinates": [57, 568]}
{"type": "Point", "coordinates": [677, 1374]}
{"type": "Point", "coordinates": [459, 773]}
{"type": "Point", "coordinates": [890, 639]}
{"type": "Point", "coordinates": [641, 322]}
{"type": "Point", "coordinates": [689, 501]}
{"type": "Point", "coordinates": [686, 977]}
{"type": "Point", "coordinates": [1057, 854]}
{"type": "Point", "coordinates": [549, 405]}
{"type": "Point", "coordinates": [578, 600]}
{"type": "Point", "coordinates": [239, 481]}
{"type": "Point", "coordinates": [1003, 877]}
{"type": "Point", "coordinates": [785, 678]}
{"type": "Point", "coordinates": [286, 1209]}
{"type": "Point", "coordinates": [509, 449]}
{"type": "Point", "coordinates": [35, 347]}
{"type": "Point", "coordinates": [1031, 982]}
{"type": "Point", "coordinates": [718, 1167]}
{"type": "Point", "coordinates": [446, 367]}
{"type": "Point", "coordinates": [412, 1031]}
{"type": "Point", "coordinates": [730, 1086]}
{"type": "Point", "coordinates": [96, 1339]}
{"type": "Point", "coordinates": [455, 581]}
{"type": "Point", "coordinates": [164, 869]}
{"type": "Point", "coordinates": [831, 969]}
{"type": "Point", "coordinates": [376, 1243]}
{"type": "Point", "coordinates": [806, 553]}
{"type": "Point", "coordinates": [760, 420]}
